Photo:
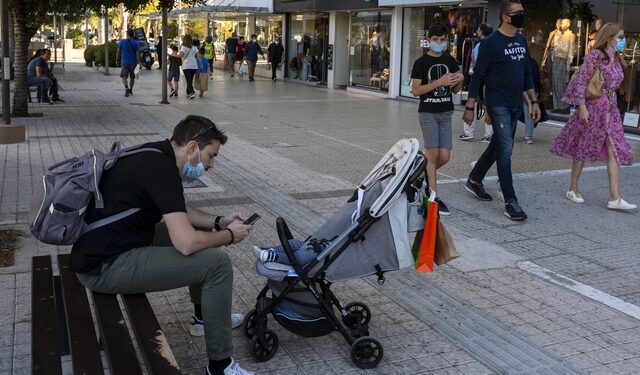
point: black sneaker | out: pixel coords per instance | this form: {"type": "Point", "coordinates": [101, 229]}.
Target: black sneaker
{"type": "Point", "coordinates": [477, 190]}
{"type": "Point", "coordinates": [514, 212]}
{"type": "Point", "coordinates": [130, 91]}
{"type": "Point", "coordinates": [442, 208]}
{"type": "Point", "coordinates": [126, 92]}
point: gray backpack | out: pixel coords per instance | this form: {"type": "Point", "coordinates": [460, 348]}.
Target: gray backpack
{"type": "Point", "coordinates": [58, 206]}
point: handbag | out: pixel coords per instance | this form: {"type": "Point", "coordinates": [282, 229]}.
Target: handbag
{"type": "Point", "coordinates": [445, 248]}
{"type": "Point", "coordinates": [596, 83]}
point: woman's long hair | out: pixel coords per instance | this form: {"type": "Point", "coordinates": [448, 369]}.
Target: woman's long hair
{"type": "Point", "coordinates": [608, 31]}
{"type": "Point", "coordinates": [187, 40]}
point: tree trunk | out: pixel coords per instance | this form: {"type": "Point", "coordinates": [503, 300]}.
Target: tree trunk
{"type": "Point", "coordinates": [21, 87]}
{"type": "Point", "coordinates": [12, 38]}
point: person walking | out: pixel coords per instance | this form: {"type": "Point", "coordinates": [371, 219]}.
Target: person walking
{"type": "Point", "coordinates": [128, 57]}
{"type": "Point", "coordinates": [503, 68]}
{"type": "Point", "coordinates": [173, 74]}
{"type": "Point", "coordinates": [594, 131]}
{"type": "Point", "coordinates": [240, 56]}
{"type": "Point", "coordinates": [202, 83]}
{"type": "Point", "coordinates": [251, 51]}
{"type": "Point", "coordinates": [484, 30]}
{"type": "Point", "coordinates": [434, 76]}
{"type": "Point", "coordinates": [209, 53]}
{"type": "Point", "coordinates": [231, 45]}
{"type": "Point", "coordinates": [275, 54]}
{"type": "Point", "coordinates": [159, 52]}
{"type": "Point", "coordinates": [529, 124]}
{"type": "Point", "coordinates": [189, 64]}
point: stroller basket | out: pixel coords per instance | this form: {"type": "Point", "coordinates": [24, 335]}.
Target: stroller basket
{"type": "Point", "coordinates": [299, 312]}
{"type": "Point", "coordinates": [367, 236]}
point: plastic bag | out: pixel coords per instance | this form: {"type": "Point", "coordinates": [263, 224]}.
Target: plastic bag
{"type": "Point", "coordinates": [136, 71]}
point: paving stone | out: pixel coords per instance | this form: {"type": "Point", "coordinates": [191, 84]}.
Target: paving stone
{"type": "Point", "coordinates": [604, 356]}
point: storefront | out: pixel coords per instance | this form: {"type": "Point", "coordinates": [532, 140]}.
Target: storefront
{"type": "Point", "coordinates": [314, 55]}
{"type": "Point", "coordinates": [370, 50]}
{"type": "Point", "coordinates": [463, 23]}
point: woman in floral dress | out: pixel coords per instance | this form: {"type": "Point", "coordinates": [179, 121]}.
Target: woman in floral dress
{"type": "Point", "coordinates": [594, 131]}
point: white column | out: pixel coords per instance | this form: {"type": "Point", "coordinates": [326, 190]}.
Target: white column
{"type": "Point", "coordinates": [396, 52]}
{"type": "Point", "coordinates": [251, 27]}
{"type": "Point", "coordinates": [339, 38]}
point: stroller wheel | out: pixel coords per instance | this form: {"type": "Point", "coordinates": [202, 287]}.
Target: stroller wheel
{"type": "Point", "coordinates": [366, 352]}
{"type": "Point", "coordinates": [249, 324]}
{"type": "Point", "coordinates": [358, 315]}
{"type": "Point", "coordinates": [264, 351]}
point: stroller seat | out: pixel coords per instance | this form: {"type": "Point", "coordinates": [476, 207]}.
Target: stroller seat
{"type": "Point", "coordinates": [367, 236]}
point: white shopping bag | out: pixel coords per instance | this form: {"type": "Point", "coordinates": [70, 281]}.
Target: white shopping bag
{"type": "Point", "coordinates": [136, 71]}
{"type": "Point", "coordinates": [243, 69]}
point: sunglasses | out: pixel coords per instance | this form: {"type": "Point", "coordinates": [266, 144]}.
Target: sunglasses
{"type": "Point", "coordinates": [201, 132]}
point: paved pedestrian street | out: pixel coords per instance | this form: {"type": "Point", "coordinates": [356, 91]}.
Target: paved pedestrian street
{"type": "Point", "coordinates": [556, 294]}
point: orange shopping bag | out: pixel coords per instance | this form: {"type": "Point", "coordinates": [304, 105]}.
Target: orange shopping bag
{"type": "Point", "coordinates": [424, 245]}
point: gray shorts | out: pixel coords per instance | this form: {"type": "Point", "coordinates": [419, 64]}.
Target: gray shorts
{"type": "Point", "coordinates": [436, 129]}
{"type": "Point", "coordinates": [128, 70]}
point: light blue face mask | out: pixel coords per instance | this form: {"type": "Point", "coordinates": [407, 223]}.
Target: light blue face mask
{"type": "Point", "coordinates": [193, 171]}
{"type": "Point", "coordinates": [620, 44]}
{"type": "Point", "coordinates": [438, 47]}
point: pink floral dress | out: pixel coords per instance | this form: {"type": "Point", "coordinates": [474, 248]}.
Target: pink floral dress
{"type": "Point", "coordinates": [584, 141]}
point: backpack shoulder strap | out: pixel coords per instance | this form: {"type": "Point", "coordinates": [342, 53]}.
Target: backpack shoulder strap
{"type": "Point", "coordinates": [111, 219]}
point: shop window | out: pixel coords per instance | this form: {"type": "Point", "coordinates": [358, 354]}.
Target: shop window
{"type": "Point", "coordinates": [370, 50]}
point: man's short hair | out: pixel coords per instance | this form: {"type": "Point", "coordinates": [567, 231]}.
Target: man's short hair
{"type": "Point", "coordinates": [253, 36]}
{"type": "Point", "coordinates": [174, 48]}
{"type": "Point", "coordinates": [438, 29]}
{"type": "Point", "coordinates": [505, 7]}
{"type": "Point", "coordinates": [130, 33]}
{"type": "Point", "coordinates": [199, 129]}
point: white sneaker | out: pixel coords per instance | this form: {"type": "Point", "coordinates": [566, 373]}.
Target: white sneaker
{"type": "Point", "coordinates": [265, 255]}
{"type": "Point", "coordinates": [197, 325]}
{"type": "Point", "coordinates": [234, 369]}
{"type": "Point", "coordinates": [620, 204]}
{"type": "Point", "coordinates": [574, 196]}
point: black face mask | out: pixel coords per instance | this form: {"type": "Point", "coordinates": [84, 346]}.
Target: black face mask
{"type": "Point", "coordinates": [517, 20]}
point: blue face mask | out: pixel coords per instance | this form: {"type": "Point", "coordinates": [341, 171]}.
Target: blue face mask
{"type": "Point", "coordinates": [620, 44]}
{"type": "Point", "coordinates": [438, 47]}
{"type": "Point", "coordinates": [193, 171]}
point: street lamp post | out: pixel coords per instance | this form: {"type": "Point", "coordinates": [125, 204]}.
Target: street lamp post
{"type": "Point", "coordinates": [163, 54]}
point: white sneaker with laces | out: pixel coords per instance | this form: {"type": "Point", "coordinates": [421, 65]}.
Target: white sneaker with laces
{"type": "Point", "coordinates": [234, 369]}
{"type": "Point", "coordinates": [620, 204]}
{"type": "Point", "coordinates": [575, 196]}
{"type": "Point", "coordinates": [197, 325]}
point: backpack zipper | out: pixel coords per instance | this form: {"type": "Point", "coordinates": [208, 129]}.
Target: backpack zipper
{"type": "Point", "coordinates": [44, 197]}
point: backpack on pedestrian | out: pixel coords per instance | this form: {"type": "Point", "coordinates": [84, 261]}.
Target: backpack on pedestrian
{"type": "Point", "coordinates": [59, 204]}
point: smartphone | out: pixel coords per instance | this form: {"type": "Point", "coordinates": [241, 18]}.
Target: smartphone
{"type": "Point", "coordinates": [252, 219]}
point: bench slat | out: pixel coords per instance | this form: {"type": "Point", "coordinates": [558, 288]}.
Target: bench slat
{"type": "Point", "coordinates": [85, 352]}
{"type": "Point", "coordinates": [151, 340]}
{"type": "Point", "coordinates": [115, 336]}
{"type": "Point", "coordinates": [45, 354]}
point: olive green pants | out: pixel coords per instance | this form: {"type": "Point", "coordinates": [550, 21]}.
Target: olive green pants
{"type": "Point", "coordinates": [207, 273]}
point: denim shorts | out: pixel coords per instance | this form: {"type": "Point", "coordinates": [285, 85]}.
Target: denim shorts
{"type": "Point", "coordinates": [128, 70]}
{"type": "Point", "coordinates": [436, 129]}
{"type": "Point", "coordinates": [173, 76]}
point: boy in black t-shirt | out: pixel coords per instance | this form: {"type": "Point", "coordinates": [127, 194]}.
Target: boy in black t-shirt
{"type": "Point", "coordinates": [173, 75]}
{"type": "Point", "coordinates": [434, 76]}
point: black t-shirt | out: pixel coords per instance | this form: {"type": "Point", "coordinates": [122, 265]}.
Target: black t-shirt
{"type": "Point", "coordinates": [174, 64]}
{"type": "Point", "coordinates": [232, 44]}
{"type": "Point", "coordinates": [429, 68]}
{"type": "Point", "coordinates": [148, 180]}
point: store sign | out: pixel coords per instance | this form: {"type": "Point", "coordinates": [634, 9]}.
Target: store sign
{"type": "Point", "coordinates": [330, 57]}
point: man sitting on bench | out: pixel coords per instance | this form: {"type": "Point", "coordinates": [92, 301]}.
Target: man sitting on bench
{"type": "Point", "coordinates": [38, 74]}
{"type": "Point", "coordinates": [139, 253]}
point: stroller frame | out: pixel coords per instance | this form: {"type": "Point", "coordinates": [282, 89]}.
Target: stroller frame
{"type": "Point", "coordinates": [353, 323]}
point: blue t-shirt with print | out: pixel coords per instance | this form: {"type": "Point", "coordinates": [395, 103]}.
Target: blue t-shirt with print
{"type": "Point", "coordinates": [128, 48]}
{"type": "Point", "coordinates": [503, 68]}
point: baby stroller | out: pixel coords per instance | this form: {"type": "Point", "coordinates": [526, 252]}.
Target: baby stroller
{"type": "Point", "coordinates": [368, 236]}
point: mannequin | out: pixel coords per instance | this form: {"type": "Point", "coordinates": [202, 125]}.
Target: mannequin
{"type": "Point", "coordinates": [592, 35]}
{"type": "Point", "coordinates": [553, 36]}
{"type": "Point", "coordinates": [561, 50]}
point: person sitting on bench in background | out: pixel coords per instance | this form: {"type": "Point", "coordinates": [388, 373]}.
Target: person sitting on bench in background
{"type": "Point", "coordinates": [38, 74]}
{"type": "Point", "coordinates": [158, 247]}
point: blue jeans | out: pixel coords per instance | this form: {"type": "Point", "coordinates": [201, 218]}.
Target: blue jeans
{"type": "Point", "coordinates": [529, 125]}
{"type": "Point", "coordinates": [505, 120]}
{"type": "Point", "coordinates": [303, 254]}
{"type": "Point", "coordinates": [43, 83]}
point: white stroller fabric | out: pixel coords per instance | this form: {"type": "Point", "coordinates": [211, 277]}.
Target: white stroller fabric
{"type": "Point", "coordinates": [386, 243]}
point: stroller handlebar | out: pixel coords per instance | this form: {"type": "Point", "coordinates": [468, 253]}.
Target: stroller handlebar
{"type": "Point", "coordinates": [284, 234]}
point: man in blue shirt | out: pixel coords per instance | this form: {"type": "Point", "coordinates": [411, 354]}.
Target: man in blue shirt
{"type": "Point", "coordinates": [504, 70]}
{"type": "Point", "coordinates": [251, 54]}
{"type": "Point", "coordinates": [128, 57]}
{"type": "Point", "coordinates": [38, 74]}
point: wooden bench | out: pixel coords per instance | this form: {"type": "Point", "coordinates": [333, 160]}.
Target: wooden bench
{"type": "Point", "coordinates": [63, 324]}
